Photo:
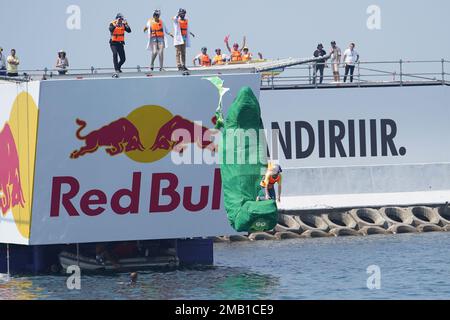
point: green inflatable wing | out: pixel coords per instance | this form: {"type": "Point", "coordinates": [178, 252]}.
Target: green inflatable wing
{"type": "Point", "coordinates": [244, 162]}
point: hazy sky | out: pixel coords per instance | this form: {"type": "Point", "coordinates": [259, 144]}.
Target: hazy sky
{"type": "Point", "coordinates": [283, 28]}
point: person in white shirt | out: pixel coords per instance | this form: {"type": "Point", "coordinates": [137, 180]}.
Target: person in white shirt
{"type": "Point", "coordinates": [351, 58]}
{"type": "Point", "coordinates": [157, 41]}
{"type": "Point", "coordinates": [2, 63]}
{"type": "Point", "coordinates": [336, 55]}
{"type": "Point", "coordinates": [12, 66]}
{"type": "Point", "coordinates": [62, 63]}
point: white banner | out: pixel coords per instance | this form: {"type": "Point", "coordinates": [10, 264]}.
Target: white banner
{"type": "Point", "coordinates": [359, 141]}
{"type": "Point", "coordinates": [105, 169]}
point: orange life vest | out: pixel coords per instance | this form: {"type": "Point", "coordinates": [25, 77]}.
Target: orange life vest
{"type": "Point", "coordinates": [118, 34]}
{"type": "Point", "coordinates": [236, 55]}
{"type": "Point", "coordinates": [205, 60]}
{"type": "Point", "coordinates": [246, 57]}
{"type": "Point", "coordinates": [157, 29]}
{"type": "Point", "coordinates": [183, 26]}
{"type": "Point", "coordinates": [219, 59]}
{"type": "Point", "coordinates": [272, 181]}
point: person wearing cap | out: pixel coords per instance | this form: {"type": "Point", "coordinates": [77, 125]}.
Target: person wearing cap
{"type": "Point", "coordinates": [219, 58]}
{"type": "Point", "coordinates": [62, 63]}
{"type": "Point", "coordinates": [2, 63]}
{"type": "Point", "coordinates": [117, 28]}
{"type": "Point", "coordinates": [336, 55]}
{"type": "Point", "coordinates": [236, 53]}
{"type": "Point", "coordinates": [273, 176]}
{"type": "Point", "coordinates": [12, 64]}
{"type": "Point", "coordinates": [246, 55]}
{"type": "Point", "coordinates": [182, 38]}
{"type": "Point", "coordinates": [203, 58]}
{"type": "Point", "coordinates": [319, 65]}
{"type": "Point", "coordinates": [157, 32]}
{"type": "Point", "coordinates": [351, 58]}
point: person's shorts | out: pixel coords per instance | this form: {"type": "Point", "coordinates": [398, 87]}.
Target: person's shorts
{"type": "Point", "coordinates": [262, 194]}
{"type": "Point", "coordinates": [335, 67]}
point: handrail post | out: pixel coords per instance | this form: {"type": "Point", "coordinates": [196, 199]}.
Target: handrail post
{"type": "Point", "coordinates": [443, 71]}
{"type": "Point", "coordinates": [309, 71]}
{"type": "Point", "coordinates": [401, 72]}
{"type": "Point", "coordinates": [359, 73]}
{"type": "Point", "coordinates": [92, 69]}
{"type": "Point", "coordinates": [273, 82]}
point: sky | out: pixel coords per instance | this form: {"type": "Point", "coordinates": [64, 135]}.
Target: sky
{"type": "Point", "coordinates": [412, 30]}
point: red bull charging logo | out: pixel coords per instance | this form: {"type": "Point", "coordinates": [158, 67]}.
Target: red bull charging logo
{"type": "Point", "coordinates": [146, 135]}
{"type": "Point", "coordinates": [18, 138]}
{"type": "Point", "coordinates": [11, 194]}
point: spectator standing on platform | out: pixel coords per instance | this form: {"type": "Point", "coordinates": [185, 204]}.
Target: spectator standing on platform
{"type": "Point", "coordinates": [117, 28]}
{"type": "Point", "coordinates": [12, 64]}
{"type": "Point", "coordinates": [2, 63]}
{"type": "Point", "coordinates": [351, 58]}
{"type": "Point", "coordinates": [182, 38]}
{"type": "Point", "coordinates": [157, 32]}
{"type": "Point", "coordinates": [319, 66]}
{"type": "Point", "coordinates": [62, 63]}
{"type": "Point", "coordinates": [336, 55]}
{"type": "Point", "coordinates": [203, 58]}
{"type": "Point", "coordinates": [219, 59]}
{"type": "Point", "coordinates": [236, 53]}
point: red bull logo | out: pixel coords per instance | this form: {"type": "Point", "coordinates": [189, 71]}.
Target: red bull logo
{"type": "Point", "coordinates": [18, 138]}
{"type": "Point", "coordinates": [146, 135]}
{"type": "Point", "coordinates": [11, 194]}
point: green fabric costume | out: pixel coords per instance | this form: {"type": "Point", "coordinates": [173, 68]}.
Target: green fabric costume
{"type": "Point", "coordinates": [244, 162]}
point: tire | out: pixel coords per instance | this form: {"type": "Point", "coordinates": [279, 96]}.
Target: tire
{"type": "Point", "coordinates": [428, 227]}
{"type": "Point", "coordinates": [340, 220]}
{"type": "Point", "coordinates": [368, 218]}
{"type": "Point", "coordinates": [238, 238]}
{"type": "Point", "coordinates": [220, 239]}
{"type": "Point", "coordinates": [401, 228]}
{"type": "Point", "coordinates": [395, 215]}
{"type": "Point", "coordinates": [444, 213]}
{"type": "Point", "coordinates": [425, 215]}
{"type": "Point", "coordinates": [311, 222]}
{"type": "Point", "coordinates": [261, 236]}
{"type": "Point", "coordinates": [368, 231]}
{"type": "Point", "coordinates": [315, 234]}
{"type": "Point", "coordinates": [287, 235]}
{"type": "Point", "coordinates": [287, 223]}
{"type": "Point", "coordinates": [344, 232]}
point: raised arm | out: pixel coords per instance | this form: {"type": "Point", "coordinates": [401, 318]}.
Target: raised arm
{"type": "Point", "coordinates": [244, 42]}
{"type": "Point", "coordinates": [227, 43]}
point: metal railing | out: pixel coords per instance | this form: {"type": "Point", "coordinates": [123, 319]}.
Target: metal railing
{"type": "Point", "coordinates": [366, 73]}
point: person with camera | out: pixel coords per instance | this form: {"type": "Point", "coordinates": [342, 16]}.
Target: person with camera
{"type": "Point", "coordinates": [117, 28]}
{"type": "Point", "coordinates": [182, 38]}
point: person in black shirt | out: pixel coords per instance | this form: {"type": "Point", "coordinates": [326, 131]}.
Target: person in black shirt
{"type": "Point", "coordinates": [320, 63]}
{"type": "Point", "coordinates": [117, 28]}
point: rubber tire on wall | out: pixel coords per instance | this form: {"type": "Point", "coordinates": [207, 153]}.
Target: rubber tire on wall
{"type": "Point", "coordinates": [344, 232]}
{"type": "Point", "coordinates": [287, 235]}
{"type": "Point", "coordinates": [395, 215]}
{"type": "Point", "coordinates": [339, 220]}
{"type": "Point", "coordinates": [261, 236]}
{"type": "Point", "coordinates": [431, 216]}
{"type": "Point", "coordinates": [368, 231]}
{"type": "Point", "coordinates": [372, 214]}
{"type": "Point", "coordinates": [400, 228]}
{"type": "Point", "coordinates": [311, 222]}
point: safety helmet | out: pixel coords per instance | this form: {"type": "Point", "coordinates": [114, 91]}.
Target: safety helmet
{"type": "Point", "coordinates": [157, 13]}
{"type": "Point", "coordinates": [182, 11]}
{"type": "Point", "coordinates": [275, 168]}
{"type": "Point", "coordinates": [245, 48]}
{"type": "Point", "coordinates": [120, 16]}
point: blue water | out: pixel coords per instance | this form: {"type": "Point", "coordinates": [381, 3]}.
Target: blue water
{"type": "Point", "coordinates": [415, 266]}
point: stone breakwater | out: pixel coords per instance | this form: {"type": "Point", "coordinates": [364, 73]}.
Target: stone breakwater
{"type": "Point", "coordinates": [355, 222]}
